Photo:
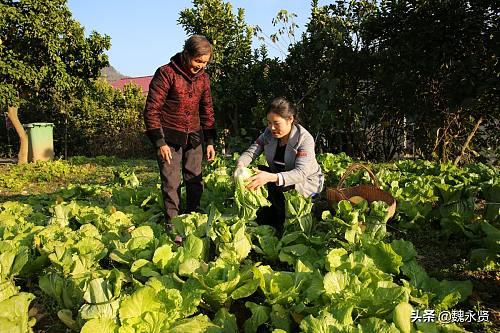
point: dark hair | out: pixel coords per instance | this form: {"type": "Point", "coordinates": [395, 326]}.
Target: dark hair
{"type": "Point", "coordinates": [282, 107]}
{"type": "Point", "coordinates": [196, 45]}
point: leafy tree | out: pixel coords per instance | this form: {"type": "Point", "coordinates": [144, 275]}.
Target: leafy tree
{"type": "Point", "coordinates": [373, 77]}
{"type": "Point", "coordinates": [108, 121]}
{"type": "Point", "coordinates": [437, 65]}
{"type": "Point", "coordinates": [44, 58]}
{"type": "Point", "coordinates": [284, 37]}
{"type": "Point", "coordinates": [327, 71]}
{"type": "Point", "coordinates": [232, 58]}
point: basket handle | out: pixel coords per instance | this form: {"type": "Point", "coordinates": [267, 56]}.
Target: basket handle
{"type": "Point", "coordinates": [356, 166]}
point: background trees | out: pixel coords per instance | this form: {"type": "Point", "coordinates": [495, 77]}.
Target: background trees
{"type": "Point", "coordinates": [377, 80]}
{"type": "Point", "coordinates": [231, 66]}
{"type": "Point", "coordinates": [45, 59]}
{"type": "Point", "coordinates": [400, 77]}
{"type": "Point", "coordinates": [437, 65]}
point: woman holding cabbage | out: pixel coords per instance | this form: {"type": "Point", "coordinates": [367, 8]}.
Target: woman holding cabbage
{"type": "Point", "coordinates": [289, 151]}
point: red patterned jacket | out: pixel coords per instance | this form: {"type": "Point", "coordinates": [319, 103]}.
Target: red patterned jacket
{"type": "Point", "coordinates": [179, 106]}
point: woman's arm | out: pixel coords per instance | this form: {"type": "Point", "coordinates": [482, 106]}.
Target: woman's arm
{"type": "Point", "coordinates": [158, 91]}
{"type": "Point", "coordinates": [207, 117]}
{"type": "Point", "coordinates": [252, 152]}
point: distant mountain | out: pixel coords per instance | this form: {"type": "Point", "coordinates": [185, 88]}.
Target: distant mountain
{"type": "Point", "coordinates": [111, 74]}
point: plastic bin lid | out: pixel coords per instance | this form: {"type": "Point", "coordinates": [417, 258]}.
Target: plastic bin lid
{"type": "Point", "coordinates": [38, 124]}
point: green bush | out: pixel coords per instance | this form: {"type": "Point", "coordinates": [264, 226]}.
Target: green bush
{"type": "Point", "coordinates": [108, 121]}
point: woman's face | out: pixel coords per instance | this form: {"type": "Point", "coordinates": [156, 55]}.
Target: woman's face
{"type": "Point", "coordinates": [278, 125]}
{"type": "Point", "coordinates": [197, 63]}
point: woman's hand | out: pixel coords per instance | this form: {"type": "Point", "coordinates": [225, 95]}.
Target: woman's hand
{"type": "Point", "coordinates": [165, 153]}
{"type": "Point", "coordinates": [210, 152]}
{"type": "Point", "coordinates": [261, 179]}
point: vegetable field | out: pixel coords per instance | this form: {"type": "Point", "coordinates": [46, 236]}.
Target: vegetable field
{"type": "Point", "coordinates": [83, 248]}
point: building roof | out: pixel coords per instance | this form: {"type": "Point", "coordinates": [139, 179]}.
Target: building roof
{"type": "Point", "coordinates": [142, 82]}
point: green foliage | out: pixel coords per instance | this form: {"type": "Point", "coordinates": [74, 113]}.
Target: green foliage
{"type": "Point", "coordinates": [240, 80]}
{"type": "Point", "coordinates": [328, 73]}
{"type": "Point", "coordinates": [45, 56]}
{"type": "Point", "coordinates": [98, 253]}
{"type": "Point", "coordinates": [487, 255]}
{"type": "Point", "coordinates": [248, 201]}
{"type": "Point", "coordinates": [218, 180]}
{"type": "Point", "coordinates": [227, 31]}
{"type": "Point", "coordinates": [380, 79]}
{"type": "Point", "coordinates": [49, 66]}
{"type": "Point", "coordinates": [374, 79]}
{"type": "Point", "coordinates": [108, 120]}
{"type": "Point", "coordinates": [14, 314]}
{"type": "Point", "coordinates": [426, 82]}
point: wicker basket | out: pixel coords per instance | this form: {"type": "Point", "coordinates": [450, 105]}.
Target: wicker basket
{"type": "Point", "coordinates": [367, 191]}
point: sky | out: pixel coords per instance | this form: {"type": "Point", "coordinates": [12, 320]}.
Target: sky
{"type": "Point", "coordinates": [145, 34]}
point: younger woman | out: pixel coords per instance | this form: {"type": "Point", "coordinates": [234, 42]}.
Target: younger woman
{"type": "Point", "coordinates": [289, 151]}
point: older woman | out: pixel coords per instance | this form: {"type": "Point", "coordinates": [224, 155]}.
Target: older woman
{"type": "Point", "coordinates": [289, 151]}
{"type": "Point", "coordinates": [178, 117]}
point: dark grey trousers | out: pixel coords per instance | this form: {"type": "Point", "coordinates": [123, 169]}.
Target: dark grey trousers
{"type": "Point", "coordinates": [189, 159]}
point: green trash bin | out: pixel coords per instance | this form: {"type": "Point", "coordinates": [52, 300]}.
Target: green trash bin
{"type": "Point", "coordinates": [40, 141]}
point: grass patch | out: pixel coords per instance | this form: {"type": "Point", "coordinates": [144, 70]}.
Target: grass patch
{"type": "Point", "coordinates": [46, 177]}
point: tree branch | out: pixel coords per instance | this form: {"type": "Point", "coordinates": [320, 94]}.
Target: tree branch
{"type": "Point", "coordinates": [469, 139]}
{"type": "Point", "coordinates": [23, 137]}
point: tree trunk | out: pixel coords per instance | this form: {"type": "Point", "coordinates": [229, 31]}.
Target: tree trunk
{"type": "Point", "coordinates": [23, 137]}
{"type": "Point", "coordinates": [235, 122]}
